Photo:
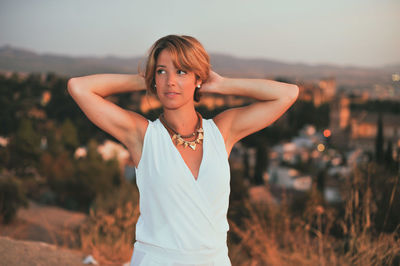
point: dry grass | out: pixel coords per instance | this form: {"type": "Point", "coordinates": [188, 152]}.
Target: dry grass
{"type": "Point", "coordinates": [279, 239]}
{"type": "Point", "coordinates": [272, 235]}
{"type": "Point", "coordinates": [109, 232]}
{"type": "Point", "coordinates": [109, 236]}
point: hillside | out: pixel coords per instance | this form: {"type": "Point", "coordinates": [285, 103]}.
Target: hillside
{"type": "Point", "coordinates": [21, 60]}
{"type": "Point", "coordinates": [37, 234]}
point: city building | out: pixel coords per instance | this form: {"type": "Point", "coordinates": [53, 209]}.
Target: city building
{"type": "Point", "coordinates": [322, 92]}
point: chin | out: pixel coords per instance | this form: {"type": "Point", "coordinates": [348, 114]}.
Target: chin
{"type": "Point", "coordinates": [174, 105]}
{"type": "Point", "coordinates": [171, 105]}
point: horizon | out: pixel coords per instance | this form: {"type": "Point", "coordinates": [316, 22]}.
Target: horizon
{"type": "Point", "coordinates": [395, 64]}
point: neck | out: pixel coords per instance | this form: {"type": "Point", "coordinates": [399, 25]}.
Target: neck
{"type": "Point", "coordinates": [182, 121]}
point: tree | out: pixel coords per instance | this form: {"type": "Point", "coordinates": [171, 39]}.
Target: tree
{"type": "Point", "coordinates": [69, 136]}
{"type": "Point", "coordinates": [379, 140]}
{"type": "Point", "coordinates": [24, 147]}
{"type": "Point", "coordinates": [93, 177]}
{"type": "Point", "coordinates": [12, 198]}
{"type": "Point", "coordinates": [389, 155]}
{"type": "Point", "coordinates": [4, 157]}
{"type": "Point", "coordinates": [8, 94]}
{"type": "Point", "coordinates": [261, 164]}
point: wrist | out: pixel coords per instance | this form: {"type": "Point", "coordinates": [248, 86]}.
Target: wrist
{"type": "Point", "coordinates": [225, 85]}
{"type": "Point", "coordinates": [138, 83]}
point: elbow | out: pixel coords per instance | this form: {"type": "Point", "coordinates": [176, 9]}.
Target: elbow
{"type": "Point", "coordinates": [292, 93]}
{"type": "Point", "coordinates": [295, 92]}
{"type": "Point", "coordinates": [72, 86]}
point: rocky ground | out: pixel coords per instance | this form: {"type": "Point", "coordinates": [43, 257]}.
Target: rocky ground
{"type": "Point", "coordinates": [22, 252]}
{"type": "Point", "coordinates": [37, 237]}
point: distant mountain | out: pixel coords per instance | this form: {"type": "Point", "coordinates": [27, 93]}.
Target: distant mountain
{"type": "Point", "coordinates": [14, 59]}
{"type": "Point", "coordinates": [21, 60]}
{"type": "Point", "coordinates": [395, 68]}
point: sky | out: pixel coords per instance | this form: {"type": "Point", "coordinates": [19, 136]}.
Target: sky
{"type": "Point", "coordinates": [342, 32]}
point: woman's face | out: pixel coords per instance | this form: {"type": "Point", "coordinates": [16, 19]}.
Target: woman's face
{"type": "Point", "coordinates": [175, 87]}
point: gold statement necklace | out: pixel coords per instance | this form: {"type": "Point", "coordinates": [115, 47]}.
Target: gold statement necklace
{"type": "Point", "coordinates": [180, 139]}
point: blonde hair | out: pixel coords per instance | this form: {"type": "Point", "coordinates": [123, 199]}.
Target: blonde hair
{"type": "Point", "coordinates": [188, 55]}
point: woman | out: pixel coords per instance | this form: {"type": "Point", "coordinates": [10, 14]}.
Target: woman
{"type": "Point", "coordinates": [181, 159]}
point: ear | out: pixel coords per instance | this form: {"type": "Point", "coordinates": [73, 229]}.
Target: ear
{"type": "Point", "coordinates": [153, 89]}
{"type": "Point", "coordinates": [198, 81]}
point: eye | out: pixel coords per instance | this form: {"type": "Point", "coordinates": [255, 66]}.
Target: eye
{"type": "Point", "coordinates": [160, 71]}
{"type": "Point", "coordinates": [181, 72]}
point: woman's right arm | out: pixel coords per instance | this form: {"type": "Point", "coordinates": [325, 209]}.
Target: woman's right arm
{"type": "Point", "coordinates": [126, 126]}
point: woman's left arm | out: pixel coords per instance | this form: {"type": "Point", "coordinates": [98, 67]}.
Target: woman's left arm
{"type": "Point", "coordinates": [273, 99]}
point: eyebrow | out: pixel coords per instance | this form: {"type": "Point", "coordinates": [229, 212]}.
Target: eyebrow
{"type": "Point", "coordinates": [160, 66]}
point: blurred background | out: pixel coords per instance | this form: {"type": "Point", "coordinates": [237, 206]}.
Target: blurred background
{"type": "Point", "coordinates": [320, 186]}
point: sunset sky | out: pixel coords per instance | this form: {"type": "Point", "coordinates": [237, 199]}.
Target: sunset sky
{"type": "Point", "coordinates": [343, 32]}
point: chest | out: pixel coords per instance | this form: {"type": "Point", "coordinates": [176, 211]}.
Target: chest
{"type": "Point", "coordinates": [173, 170]}
{"type": "Point", "coordinates": [192, 158]}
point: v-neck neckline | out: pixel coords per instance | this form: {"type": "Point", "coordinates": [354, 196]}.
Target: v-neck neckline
{"type": "Point", "coordinates": [180, 155]}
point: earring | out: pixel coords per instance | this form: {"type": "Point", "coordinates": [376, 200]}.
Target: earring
{"type": "Point", "coordinates": [155, 86]}
{"type": "Point", "coordinates": [198, 86]}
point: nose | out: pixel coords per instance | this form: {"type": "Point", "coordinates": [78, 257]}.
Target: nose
{"type": "Point", "coordinates": [171, 79]}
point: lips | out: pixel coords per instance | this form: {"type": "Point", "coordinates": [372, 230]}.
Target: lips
{"type": "Point", "coordinates": [171, 94]}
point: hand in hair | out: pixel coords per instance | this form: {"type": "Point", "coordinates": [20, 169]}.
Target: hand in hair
{"type": "Point", "coordinates": [213, 83]}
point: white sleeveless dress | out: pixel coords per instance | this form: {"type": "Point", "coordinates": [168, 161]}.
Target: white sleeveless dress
{"type": "Point", "coordinates": [183, 221]}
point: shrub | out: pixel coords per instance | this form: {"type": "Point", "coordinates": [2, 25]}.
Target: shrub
{"type": "Point", "coordinates": [109, 232]}
{"type": "Point", "coordinates": [272, 234]}
{"type": "Point", "coordinates": [12, 198]}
